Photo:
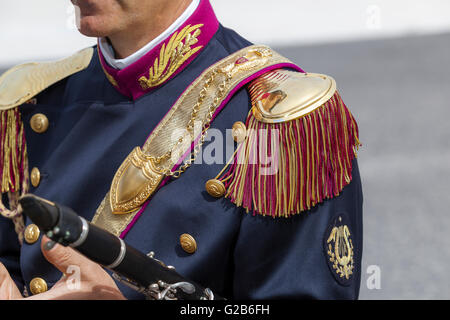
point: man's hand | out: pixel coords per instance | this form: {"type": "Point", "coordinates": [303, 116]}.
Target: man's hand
{"type": "Point", "coordinates": [95, 283]}
{"type": "Point", "coordinates": [8, 288]}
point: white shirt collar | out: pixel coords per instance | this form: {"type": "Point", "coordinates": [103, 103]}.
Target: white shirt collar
{"type": "Point", "coordinates": [108, 51]}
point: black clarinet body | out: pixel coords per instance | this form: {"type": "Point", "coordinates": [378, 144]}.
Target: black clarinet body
{"type": "Point", "coordinates": [139, 271]}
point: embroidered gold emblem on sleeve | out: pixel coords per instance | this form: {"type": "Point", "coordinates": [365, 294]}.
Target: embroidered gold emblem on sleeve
{"type": "Point", "coordinates": [340, 251]}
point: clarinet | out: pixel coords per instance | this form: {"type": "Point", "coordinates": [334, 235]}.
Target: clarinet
{"type": "Point", "coordinates": [131, 267]}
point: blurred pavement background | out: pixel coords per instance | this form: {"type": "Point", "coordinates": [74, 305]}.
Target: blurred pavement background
{"type": "Point", "coordinates": [391, 60]}
{"type": "Point", "coordinates": [399, 92]}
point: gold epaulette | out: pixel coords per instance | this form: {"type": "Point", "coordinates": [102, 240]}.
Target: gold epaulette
{"type": "Point", "coordinates": [21, 83]}
{"type": "Point", "coordinates": [284, 95]}
{"type": "Point", "coordinates": [295, 149]}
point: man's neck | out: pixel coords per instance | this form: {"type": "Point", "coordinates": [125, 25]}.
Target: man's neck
{"type": "Point", "coordinates": [127, 42]}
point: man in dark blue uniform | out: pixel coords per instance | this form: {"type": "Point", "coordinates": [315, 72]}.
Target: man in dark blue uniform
{"type": "Point", "coordinates": [118, 133]}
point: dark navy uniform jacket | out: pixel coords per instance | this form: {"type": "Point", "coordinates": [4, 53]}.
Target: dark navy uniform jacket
{"type": "Point", "coordinates": [93, 128]}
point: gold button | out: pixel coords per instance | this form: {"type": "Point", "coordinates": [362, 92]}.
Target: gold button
{"type": "Point", "coordinates": [239, 131]}
{"type": "Point", "coordinates": [35, 177]}
{"type": "Point", "coordinates": [39, 123]}
{"type": "Point", "coordinates": [215, 188]}
{"type": "Point", "coordinates": [32, 233]}
{"type": "Point", "coordinates": [188, 243]}
{"type": "Point", "coordinates": [38, 285]}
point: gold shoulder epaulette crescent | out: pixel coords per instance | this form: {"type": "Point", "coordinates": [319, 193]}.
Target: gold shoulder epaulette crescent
{"type": "Point", "coordinates": [21, 83]}
{"type": "Point", "coordinates": [284, 95]}
{"type": "Point", "coordinates": [300, 141]}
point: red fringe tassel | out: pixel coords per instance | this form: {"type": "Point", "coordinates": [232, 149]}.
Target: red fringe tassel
{"type": "Point", "coordinates": [285, 168]}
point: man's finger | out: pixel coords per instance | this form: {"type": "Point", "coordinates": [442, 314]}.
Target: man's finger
{"type": "Point", "coordinates": [3, 272]}
{"type": "Point", "coordinates": [64, 257]}
{"type": "Point", "coordinates": [8, 288]}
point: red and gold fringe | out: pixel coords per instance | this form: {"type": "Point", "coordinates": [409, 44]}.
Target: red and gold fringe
{"type": "Point", "coordinates": [285, 168]}
{"type": "Point", "coordinates": [13, 165]}
{"type": "Point", "coordinates": [13, 151]}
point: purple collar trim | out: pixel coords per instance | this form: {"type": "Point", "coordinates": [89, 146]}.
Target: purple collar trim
{"type": "Point", "coordinates": [151, 71]}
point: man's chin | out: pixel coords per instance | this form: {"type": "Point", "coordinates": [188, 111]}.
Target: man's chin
{"type": "Point", "coordinates": [90, 33]}
{"type": "Point", "coordinates": [91, 28]}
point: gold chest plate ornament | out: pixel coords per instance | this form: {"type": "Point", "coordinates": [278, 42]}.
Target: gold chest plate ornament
{"type": "Point", "coordinates": [134, 182]}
